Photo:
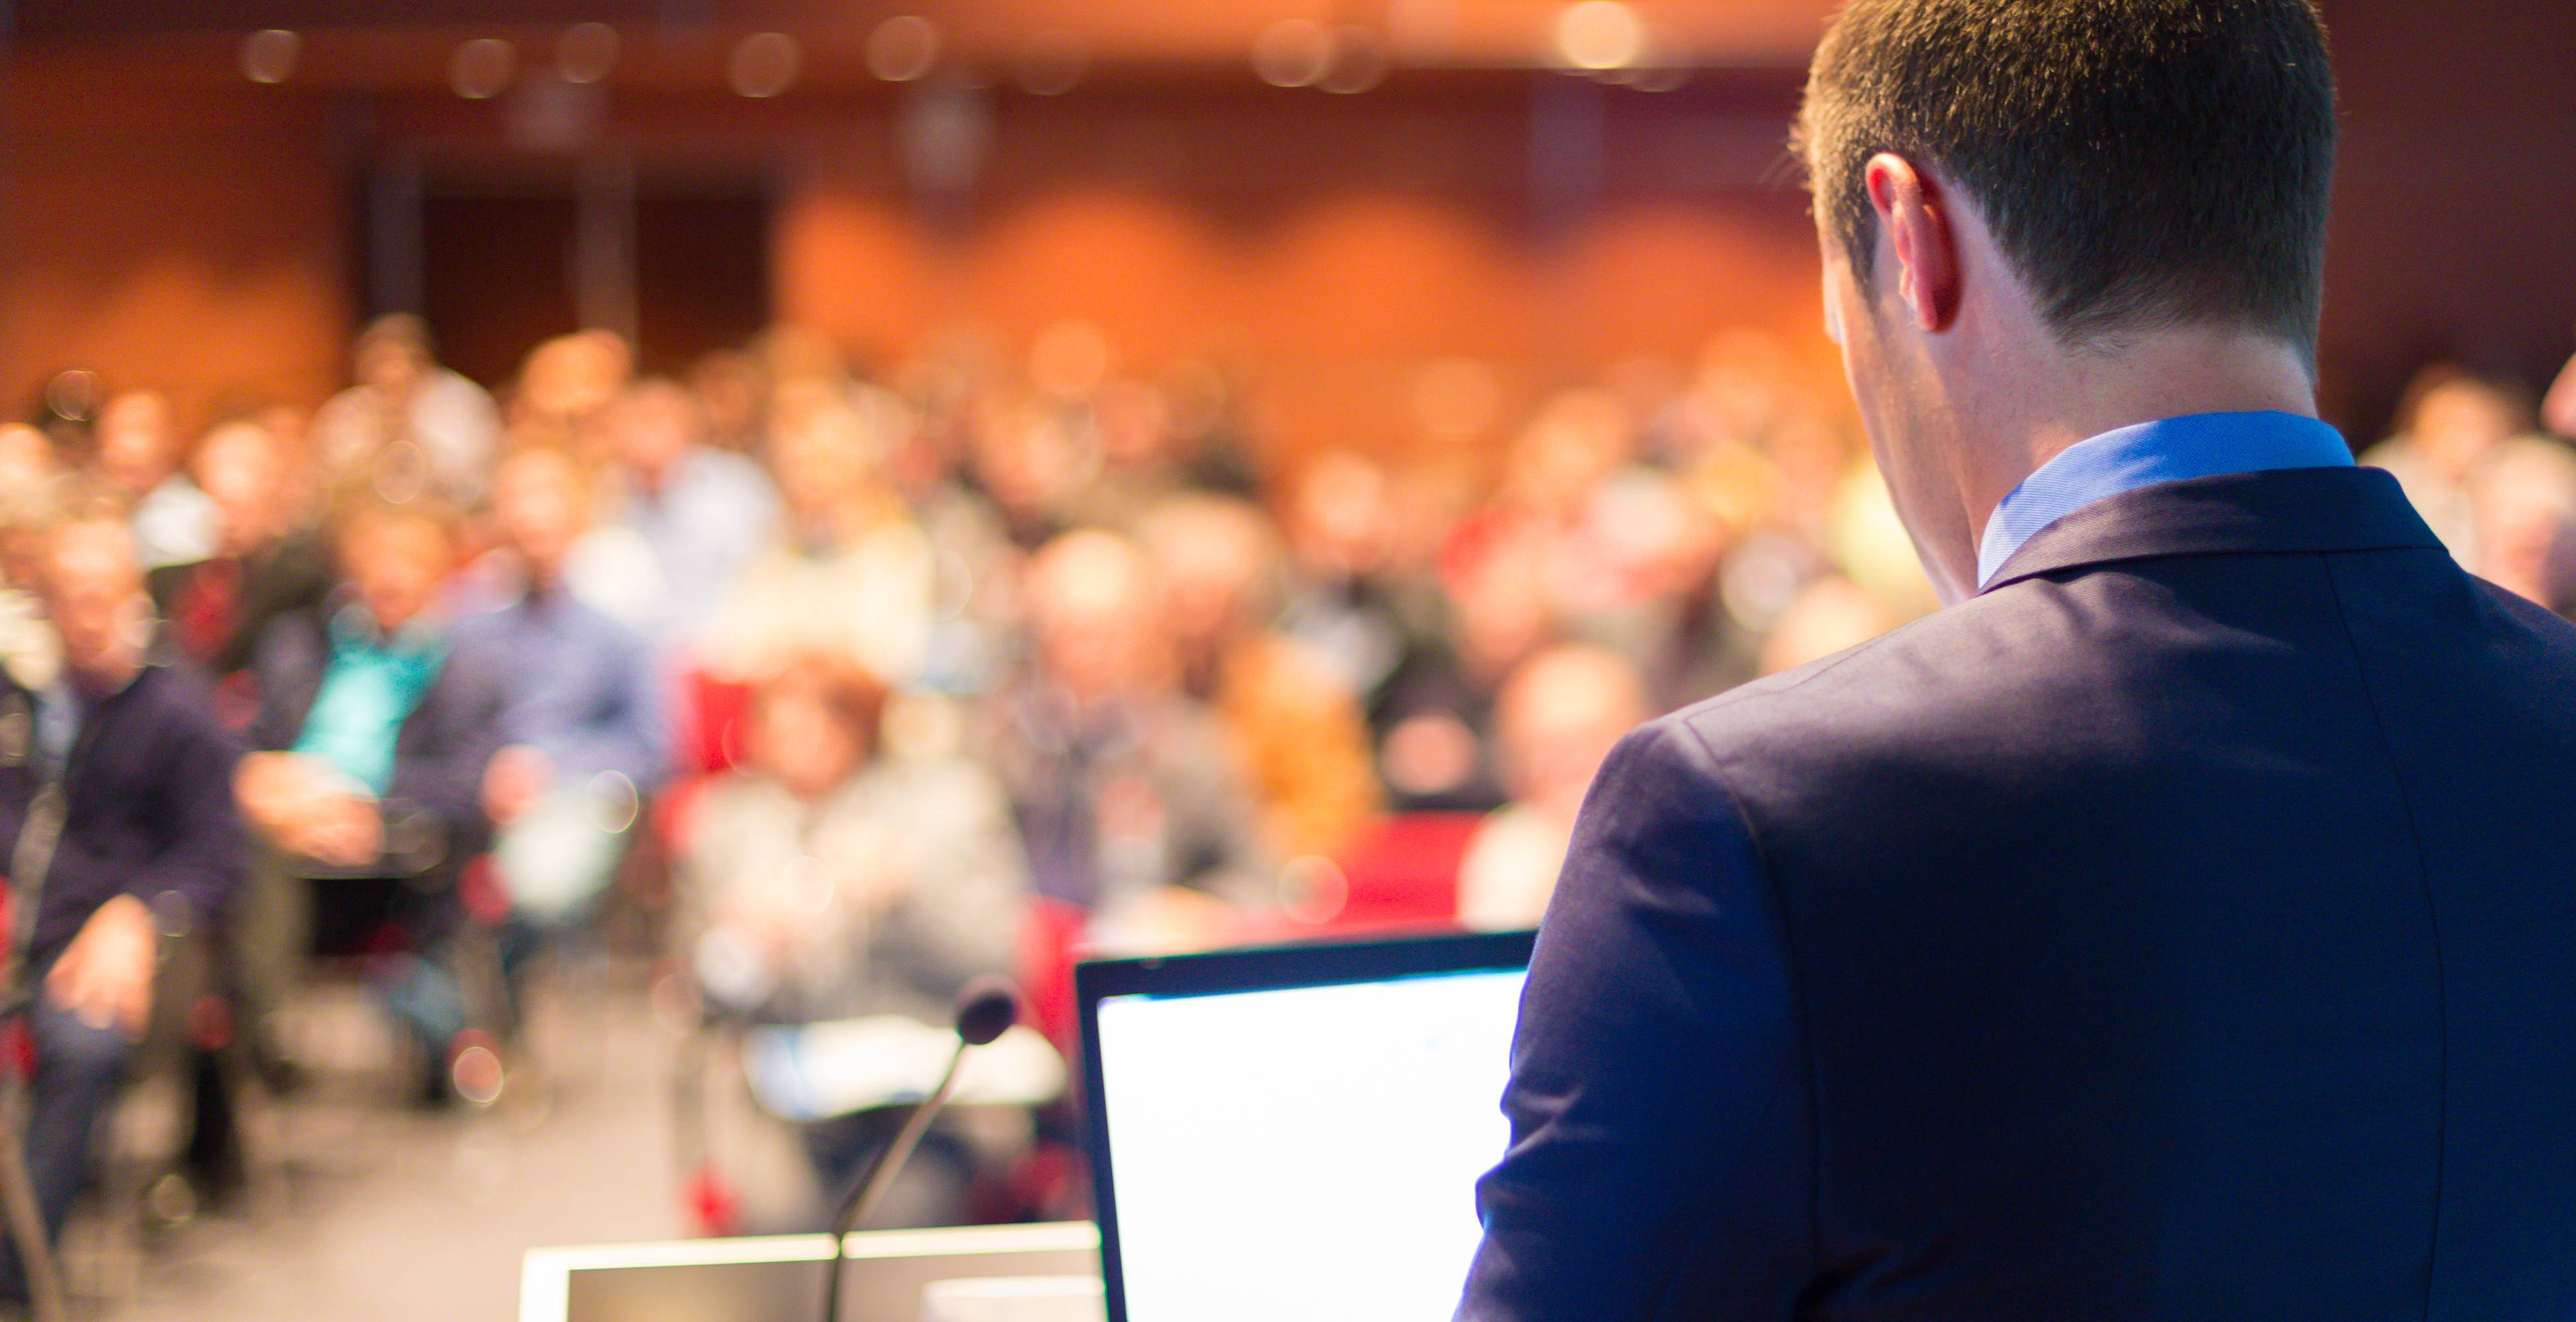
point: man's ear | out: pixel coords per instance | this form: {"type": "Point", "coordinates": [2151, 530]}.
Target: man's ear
{"type": "Point", "coordinates": [1917, 227]}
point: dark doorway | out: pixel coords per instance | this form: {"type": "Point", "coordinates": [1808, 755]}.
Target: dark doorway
{"type": "Point", "coordinates": [495, 277]}
{"type": "Point", "coordinates": [701, 276]}
{"type": "Point", "coordinates": [501, 265]}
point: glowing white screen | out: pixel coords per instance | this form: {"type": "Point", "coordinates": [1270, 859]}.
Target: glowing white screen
{"type": "Point", "coordinates": [1306, 1153]}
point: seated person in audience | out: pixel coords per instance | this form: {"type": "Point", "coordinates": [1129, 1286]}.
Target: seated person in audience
{"type": "Point", "coordinates": [2524, 497]}
{"type": "Point", "coordinates": [564, 391]}
{"type": "Point", "coordinates": [2450, 420]}
{"type": "Point", "coordinates": [408, 422]}
{"type": "Point", "coordinates": [1436, 711]}
{"type": "Point", "coordinates": [1126, 794]}
{"type": "Point", "coordinates": [581, 717]}
{"type": "Point", "coordinates": [31, 653]}
{"type": "Point", "coordinates": [138, 458]}
{"type": "Point", "coordinates": [732, 388]}
{"type": "Point", "coordinates": [1294, 729]}
{"type": "Point", "coordinates": [1556, 719]}
{"type": "Point", "coordinates": [265, 564]}
{"type": "Point", "coordinates": [832, 879]}
{"type": "Point", "coordinates": [827, 880]}
{"type": "Point", "coordinates": [1353, 603]}
{"type": "Point", "coordinates": [854, 577]}
{"type": "Point", "coordinates": [686, 518]}
{"type": "Point", "coordinates": [121, 758]}
{"type": "Point", "coordinates": [375, 733]}
{"type": "Point", "coordinates": [27, 458]}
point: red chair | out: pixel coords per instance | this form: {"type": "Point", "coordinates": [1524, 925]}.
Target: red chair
{"type": "Point", "coordinates": [1405, 873]}
{"type": "Point", "coordinates": [1050, 944]}
{"type": "Point", "coordinates": [708, 715]}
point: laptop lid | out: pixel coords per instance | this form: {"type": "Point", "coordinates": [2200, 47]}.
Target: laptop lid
{"type": "Point", "coordinates": [1295, 1132]}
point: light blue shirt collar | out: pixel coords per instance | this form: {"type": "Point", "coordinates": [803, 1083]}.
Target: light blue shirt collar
{"type": "Point", "coordinates": [2173, 450]}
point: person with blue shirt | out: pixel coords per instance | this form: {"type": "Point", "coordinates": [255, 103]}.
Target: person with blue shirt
{"type": "Point", "coordinates": [684, 522]}
{"type": "Point", "coordinates": [2176, 925]}
{"type": "Point", "coordinates": [581, 718]}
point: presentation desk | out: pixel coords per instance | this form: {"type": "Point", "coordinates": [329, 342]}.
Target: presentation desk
{"type": "Point", "coordinates": [778, 1278]}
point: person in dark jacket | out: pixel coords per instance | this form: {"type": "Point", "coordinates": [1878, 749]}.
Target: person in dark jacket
{"type": "Point", "coordinates": [2175, 926]}
{"type": "Point", "coordinates": [373, 735]}
{"type": "Point", "coordinates": [116, 823]}
{"type": "Point", "coordinates": [266, 563]}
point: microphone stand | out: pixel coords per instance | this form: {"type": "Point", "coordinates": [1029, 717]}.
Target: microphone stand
{"type": "Point", "coordinates": [985, 1009]}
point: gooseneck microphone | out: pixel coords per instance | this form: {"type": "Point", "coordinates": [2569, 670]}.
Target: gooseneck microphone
{"type": "Point", "coordinates": [986, 1009]}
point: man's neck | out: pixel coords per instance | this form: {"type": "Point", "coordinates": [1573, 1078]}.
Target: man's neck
{"type": "Point", "coordinates": [2080, 395]}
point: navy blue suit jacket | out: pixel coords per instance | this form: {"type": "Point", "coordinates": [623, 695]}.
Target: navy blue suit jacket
{"type": "Point", "coordinates": [2183, 928]}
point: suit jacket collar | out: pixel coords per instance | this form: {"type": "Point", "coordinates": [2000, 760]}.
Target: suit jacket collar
{"type": "Point", "coordinates": [2286, 510]}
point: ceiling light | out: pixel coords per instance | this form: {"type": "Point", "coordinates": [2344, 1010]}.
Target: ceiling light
{"type": "Point", "coordinates": [1292, 52]}
{"type": "Point", "coordinates": [585, 52]}
{"type": "Point", "coordinates": [269, 56]}
{"type": "Point", "coordinates": [481, 68]}
{"type": "Point", "coordinates": [1600, 34]}
{"type": "Point", "coordinates": [903, 48]}
{"type": "Point", "coordinates": [764, 64]}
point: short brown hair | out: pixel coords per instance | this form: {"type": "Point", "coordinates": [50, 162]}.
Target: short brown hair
{"type": "Point", "coordinates": [2143, 163]}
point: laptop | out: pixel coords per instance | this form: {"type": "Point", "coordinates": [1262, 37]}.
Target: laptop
{"type": "Point", "coordinates": [1294, 1132]}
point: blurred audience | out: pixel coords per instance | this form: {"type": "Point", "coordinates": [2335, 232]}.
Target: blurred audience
{"type": "Point", "coordinates": [374, 734]}
{"type": "Point", "coordinates": [30, 649]}
{"type": "Point", "coordinates": [1829, 615]}
{"type": "Point", "coordinates": [408, 423]}
{"type": "Point", "coordinates": [685, 519]}
{"type": "Point", "coordinates": [2524, 499]}
{"type": "Point", "coordinates": [1555, 720]}
{"type": "Point", "coordinates": [117, 825]}
{"type": "Point", "coordinates": [583, 732]}
{"type": "Point", "coordinates": [830, 878]}
{"type": "Point", "coordinates": [138, 457]}
{"type": "Point", "coordinates": [1292, 726]}
{"type": "Point", "coordinates": [266, 561]}
{"type": "Point", "coordinates": [1130, 803]}
{"type": "Point", "coordinates": [853, 577]}
{"type": "Point", "coordinates": [2558, 411]}
{"type": "Point", "coordinates": [2448, 423]}
{"type": "Point", "coordinates": [978, 660]}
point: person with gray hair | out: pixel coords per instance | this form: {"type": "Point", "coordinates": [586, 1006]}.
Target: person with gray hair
{"type": "Point", "coordinates": [116, 824]}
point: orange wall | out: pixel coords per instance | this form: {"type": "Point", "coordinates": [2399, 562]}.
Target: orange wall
{"type": "Point", "coordinates": [196, 241]}
{"type": "Point", "coordinates": [200, 232]}
{"type": "Point", "coordinates": [1296, 245]}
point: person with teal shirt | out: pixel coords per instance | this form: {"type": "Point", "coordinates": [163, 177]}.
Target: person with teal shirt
{"type": "Point", "coordinates": [376, 729]}
{"type": "Point", "coordinates": [374, 682]}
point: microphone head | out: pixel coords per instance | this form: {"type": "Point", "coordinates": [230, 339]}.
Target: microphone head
{"type": "Point", "coordinates": [986, 1009]}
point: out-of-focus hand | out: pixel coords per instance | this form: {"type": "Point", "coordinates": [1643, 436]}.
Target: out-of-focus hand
{"type": "Point", "coordinates": [105, 974]}
{"type": "Point", "coordinates": [268, 786]}
{"type": "Point", "coordinates": [343, 830]}
{"type": "Point", "coordinates": [517, 778]}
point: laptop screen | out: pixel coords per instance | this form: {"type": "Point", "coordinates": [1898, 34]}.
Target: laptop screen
{"type": "Point", "coordinates": [1285, 1141]}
